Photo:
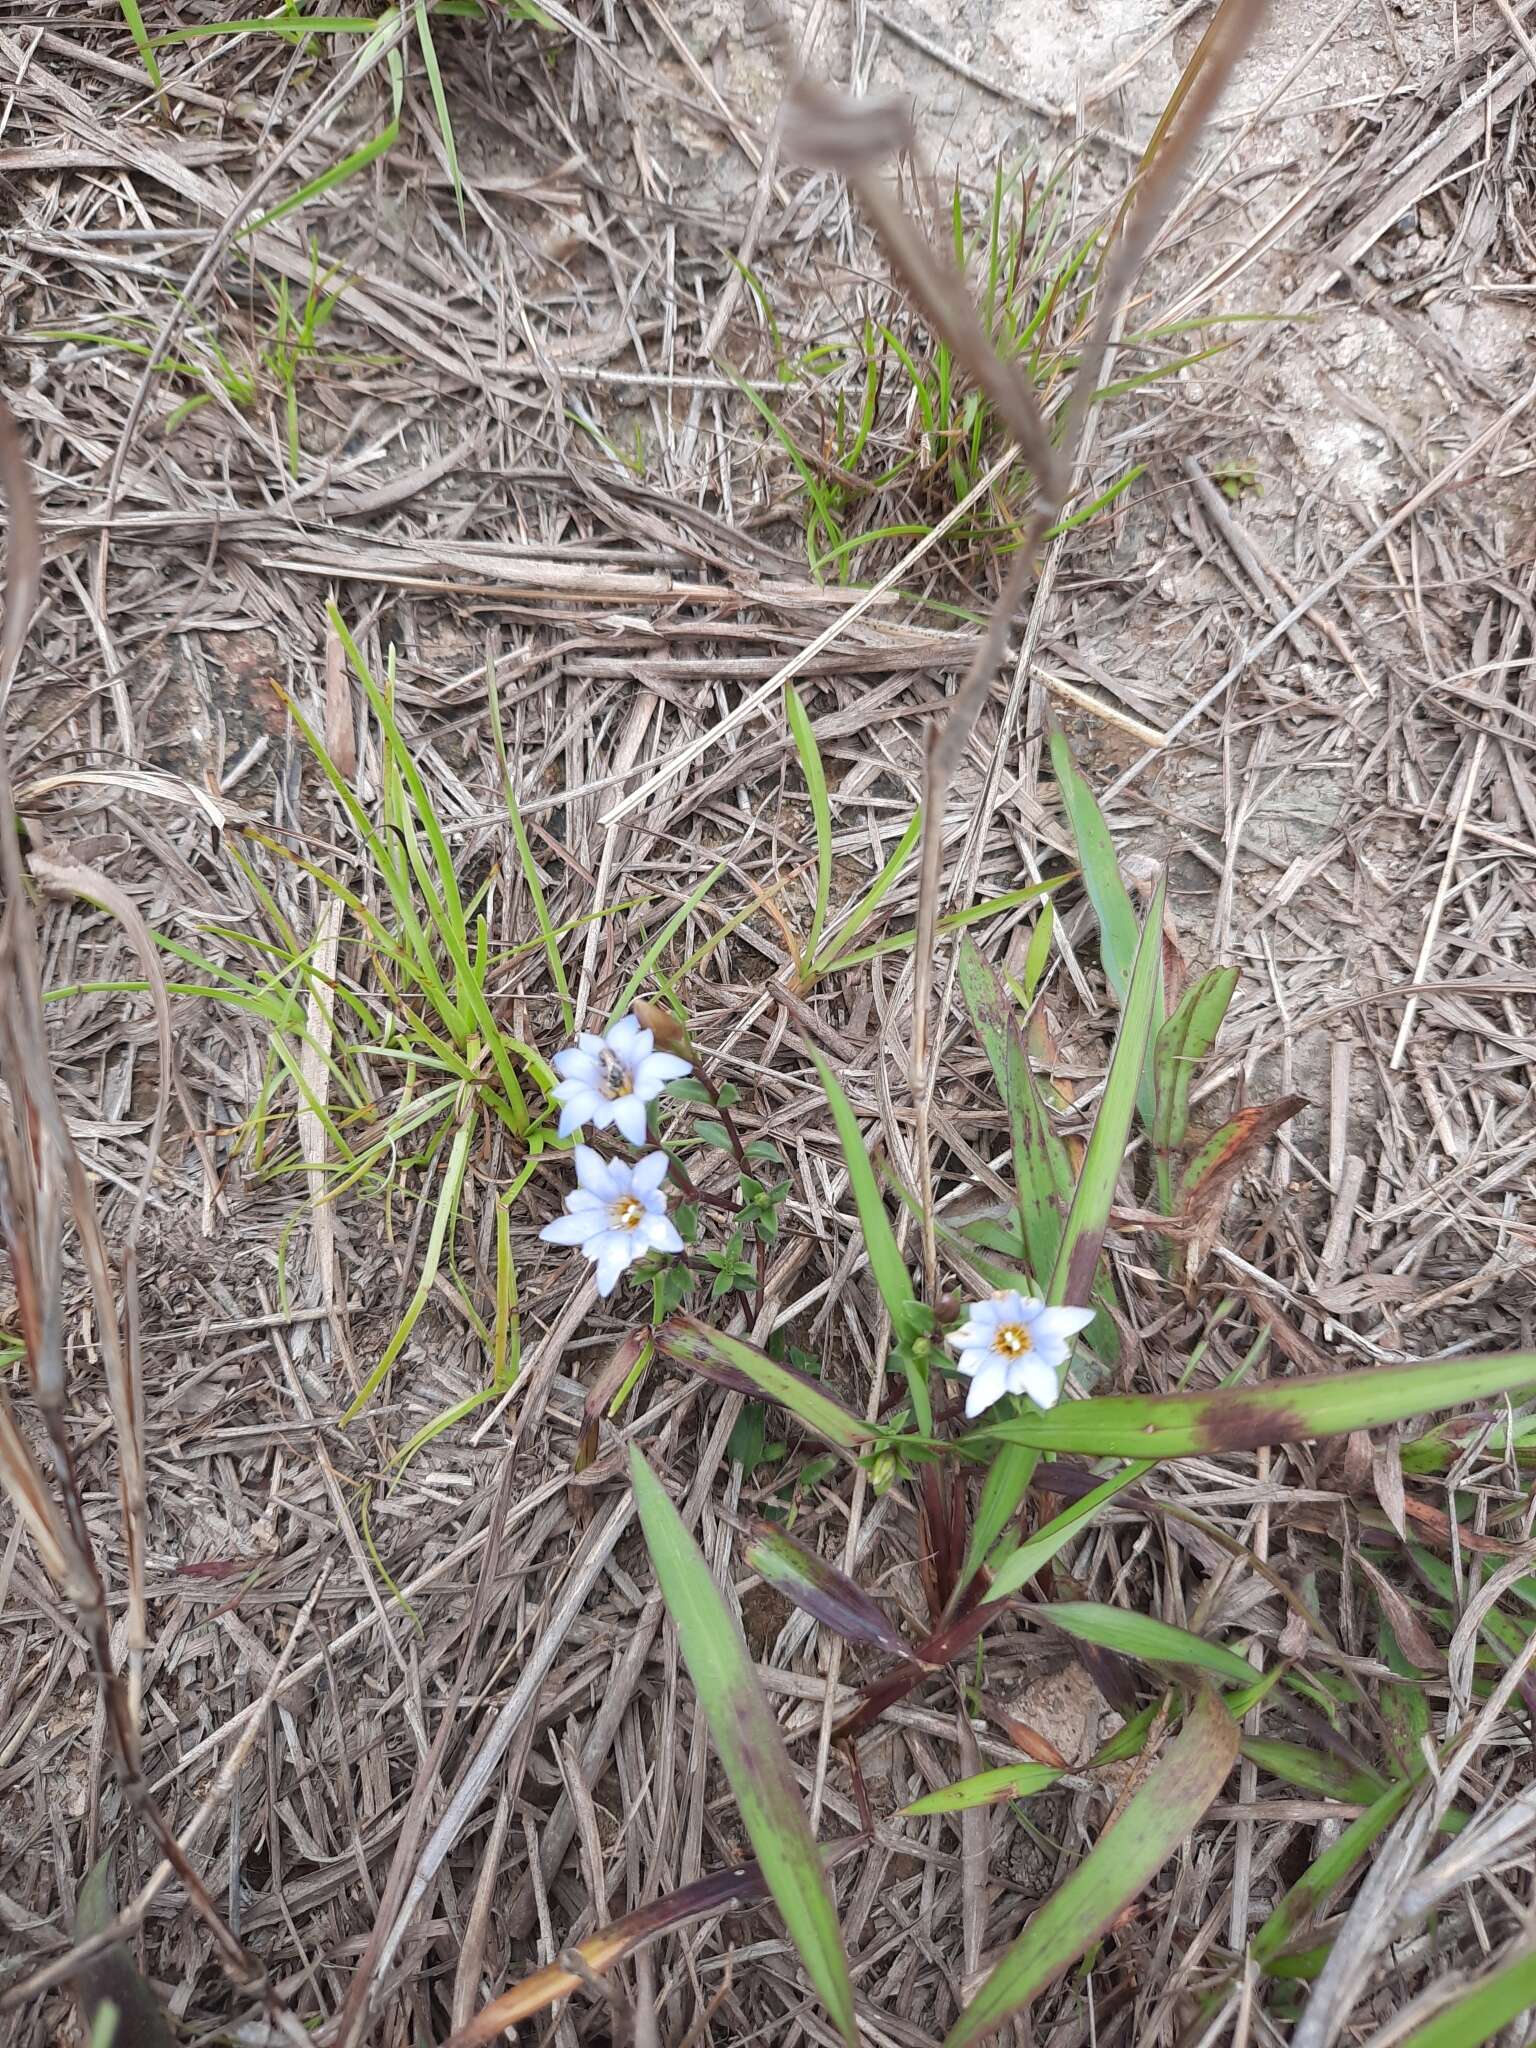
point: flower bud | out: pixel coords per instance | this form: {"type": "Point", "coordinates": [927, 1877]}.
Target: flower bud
{"type": "Point", "coordinates": [669, 1034]}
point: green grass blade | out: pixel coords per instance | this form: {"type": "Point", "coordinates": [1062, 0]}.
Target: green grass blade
{"type": "Point", "coordinates": [1311, 1891]}
{"type": "Point", "coordinates": [443, 1216]}
{"type": "Point", "coordinates": [1246, 1418]}
{"type": "Point", "coordinates": [820, 1589]}
{"type": "Point", "coordinates": [440, 103]}
{"type": "Point", "coordinates": [1125, 1859]}
{"type": "Point", "coordinates": [821, 812]}
{"type": "Point", "coordinates": [1042, 1167]}
{"type": "Point", "coordinates": [750, 1746]}
{"type": "Point", "coordinates": [1182, 1043]}
{"type": "Point", "coordinates": [1493, 2002]}
{"type": "Point", "coordinates": [952, 921]}
{"type": "Point", "coordinates": [142, 43]}
{"type": "Point", "coordinates": [1313, 1770]}
{"type": "Point", "coordinates": [654, 950]}
{"type": "Point", "coordinates": [1088, 1219]}
{"type": "Point", "coordinates": [733, 1362]}
{"type": "Point", "coordinates": [1011, 1781]}
{"type": "Point", "coordinates": [1107, 893]}
{"type": "Point", "coordinates": [357, 159]}
{"type": "Point", "coordinates": [1018, 1566]}
{"type": "Point", "coordinates": [1144, 1638]}
{"type": "Point", "coordinates": [873, 897]}
{"type": "Point", "coordinates": [885, 1260]}
{"type": "Point", "coordinates": [1184, 1040]}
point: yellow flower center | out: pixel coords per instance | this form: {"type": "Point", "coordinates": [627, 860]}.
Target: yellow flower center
{"type": "Point", "coordinates": [626, 1213]}
{"type": "Point", "coordinates": [1012, 1341]}
{"type": "Point", "coordinates": [613, 1076]}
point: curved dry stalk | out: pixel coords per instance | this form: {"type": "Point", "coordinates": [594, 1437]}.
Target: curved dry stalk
{"type": "Point", "coordinates": [854, 138]}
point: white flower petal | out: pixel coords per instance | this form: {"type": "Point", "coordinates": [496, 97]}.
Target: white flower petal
{"type": "Point", "coordinates": [575, 1065]}
{"type": "Point", "coordinates": [629, 1116]}
{"type": "Point", "coordinates": [614, 1254]}
{"type": "Point", "coordinates": [1062, 1323]}
{"type": "Point", "coordinates": [623, 1038]}
{"type": "Point", "coordinates": [647, 1175]}
{"type": "Point", "coordinates": [654, 1072]}
{"type": "Point", "coordinates": [591, 1044]}
{"type": "Point", "coordinates": [573, 1115]}
{"type": "Point", "coordinates": [659, 1234]}
{"type": "Point", "coordinates": [989, 1385]}
{"type": "Point", "coordinates": [1032, 1376]}
{"type": "Point", "coordinates": [583, 1198]}
{"type": "Point", "coordinates": [577, 1228]}
{"type": "Point", "coordinates": [972, 1336]}
{"type": "Point", "coordinates": [975, 1357]}
{"type": "Point", "coordinates": [595, 1173]}
{"type": "Point", "coordinates": [988, 1314]}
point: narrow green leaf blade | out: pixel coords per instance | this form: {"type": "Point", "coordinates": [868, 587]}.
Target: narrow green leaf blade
{"type": "Point", "coordinates": [1145, 1638]}
{"type": "Point", "coordinates": [1184, 1040]}
{"type": "Point", "coordinates": [1478, 2015]}
{"type": "Point", "coordinates": [1042, 1168]}
{"type": "Point", "coordinates": [885, 1260]}
{"type": "Point", "coordinates": [1020, 1565]}
{"type": "Point", "coordinates": [1314, 1887]}
{"type": "Point", "coordinates": [1246, 1418]}
{"type": "Point", "coordinates": [733, 1362]}
{"type": "Point", "coordinates": [1012, 1781]}
{"type": "Point", "coordinates": [1107, 893]}
{"type": "Point", "coordinates": [750, 1745]}
{"type": "Point", "coordinates": [821, 812]}
{"type": "Point", "coordinates": [822, 1590]}
{"type": "Point", "coordinates": [1088, 1219]}
{"type": "Point", "coordinates": [1124, 1860]}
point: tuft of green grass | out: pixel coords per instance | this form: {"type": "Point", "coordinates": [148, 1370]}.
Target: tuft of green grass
{"type": "Point", "coordinates": [275, 363]}
{"type": "Point", "coordinates": [296, 26]}
{"type": "Point", "coordinates": [898, 424]}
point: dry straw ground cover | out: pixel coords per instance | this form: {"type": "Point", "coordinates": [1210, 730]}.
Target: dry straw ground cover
{"type": "Point", "coordinates": [970, 572]}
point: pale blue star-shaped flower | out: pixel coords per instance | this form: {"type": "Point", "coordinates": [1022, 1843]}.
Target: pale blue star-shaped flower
{"type": "Point", "coordinates": [1014, 1344]}
{"type": "Point", "coordinates": [610, 1079]}
{"type": "Point", "coordinates": [616, 1214]}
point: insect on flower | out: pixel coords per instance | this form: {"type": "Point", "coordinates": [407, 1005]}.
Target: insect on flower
{"type": "Point", "coordinates": [610, 1079]}
{"type": "Point", "coordinates": [1014, 1344]}
{"type": "Point", "coordinates": [616, 1214]}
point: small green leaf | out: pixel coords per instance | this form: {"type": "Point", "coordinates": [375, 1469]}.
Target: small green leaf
{"type": "Point", "coordinates": [1124, 1860]}
{"type": "Point", "coordinates": [751, 1748]}
{"type": "Point", "coordinates": [1145, 1638]}
{"type": "Point", "coordinates": [1012, 1781]}
{"type": "Point", "coordinates": [689, 1090]}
